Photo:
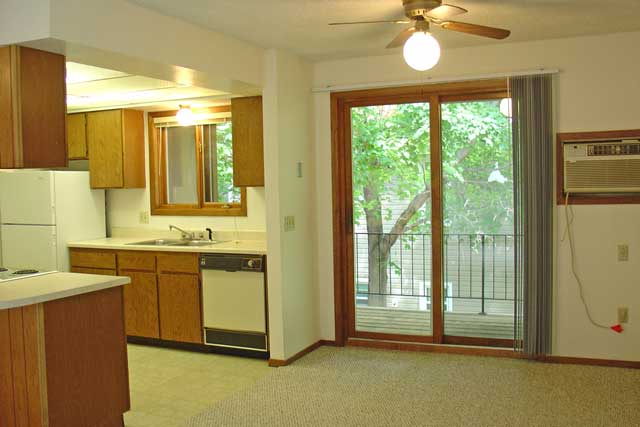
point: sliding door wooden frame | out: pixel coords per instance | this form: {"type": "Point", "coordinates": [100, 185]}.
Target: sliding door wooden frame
{"type": "Point", "coordinates": [343, 257]}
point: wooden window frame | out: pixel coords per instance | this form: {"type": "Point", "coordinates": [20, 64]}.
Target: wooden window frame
{"type": "Point", "coordinates": [590, 199]}
{"type": "Point", "coordinates": [157, 174]}
{"type": "Point", "coordinates": [341, 104]}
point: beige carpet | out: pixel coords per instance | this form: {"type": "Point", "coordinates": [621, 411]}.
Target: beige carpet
{"type": "Point", "coordinates": [362, 387]}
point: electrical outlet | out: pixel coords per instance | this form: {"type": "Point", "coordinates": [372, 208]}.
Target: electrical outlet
{"type": "Point", "coordinates": [289, 223]}
{"type": "Point", "coordinates": [144, 217]}
{"type": "Point", "coordinates": [623, 252]}
{"type": "Point", "coordinates": [623, 314]}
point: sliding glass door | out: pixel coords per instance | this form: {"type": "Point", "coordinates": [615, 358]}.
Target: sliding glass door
{"type": "Point", "coordinates": [428, 211]}
{"type": "Point", "coordinates": [391, 183]}
{"type": "Point", "coordinates": [478, 226]}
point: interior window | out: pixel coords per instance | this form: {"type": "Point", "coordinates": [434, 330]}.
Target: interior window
{"type": "Point", "coordinates": [192, 166]}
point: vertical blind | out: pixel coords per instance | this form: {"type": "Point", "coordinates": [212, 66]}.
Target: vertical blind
{"type": "Point", "coordinates": [533, 190]}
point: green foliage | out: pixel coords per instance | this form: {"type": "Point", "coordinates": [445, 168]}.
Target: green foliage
{"type": "Point", "coordinates": [390, 159]}
{"type": "Point", "coordinates": [390, 153]}
{"type": "Point", "coordinates": [473, 204]}
{"type": "Point", "coordinates": [224, 151]}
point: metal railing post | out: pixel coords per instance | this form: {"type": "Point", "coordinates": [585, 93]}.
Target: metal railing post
{"type": "Point", "coordinates": [482, 281]}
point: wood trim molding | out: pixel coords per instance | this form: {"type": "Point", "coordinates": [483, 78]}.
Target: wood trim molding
{"type": "Point", "coordinates": [157, 167]}
{"type": "Point", "coordinates": [435, 348]}
{"type": "Point", "coordinates": [630, 364]}
{"type": "Point", "coordinates": [478, 341]}
{"type": "Point", "coordinates": [577, 199]}
{"type": "Point", "coordinates": [342, 207]}
{"type": "Point", "coordinates": [435, 148]}
{"type": "Point", "coordinates": [275, 363]}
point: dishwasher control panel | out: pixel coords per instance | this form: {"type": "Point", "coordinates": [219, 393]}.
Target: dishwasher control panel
{"type": "Point", "coordinates": [232, 262]}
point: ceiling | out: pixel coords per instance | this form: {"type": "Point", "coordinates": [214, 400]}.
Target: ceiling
{"type": "Point", "coordinates": [94, 88]}
{"type": "Point", "coordinates": [301, 25]}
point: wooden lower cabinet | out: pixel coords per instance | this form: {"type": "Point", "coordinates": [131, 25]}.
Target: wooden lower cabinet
{"type": "Point", "coordinates": [63, 363]}
{"type": "Point", "coordinates": [163, 300]}
{"type": "Point", "coordinates": [180, 319]}
{"type": "Point", "coordinates": [141, 305]}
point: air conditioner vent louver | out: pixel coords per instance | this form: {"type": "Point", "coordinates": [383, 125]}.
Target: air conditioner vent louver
{"type": "Point", "coordinates": [602, 167]}
{"type": "Point", "coordinates": [613, 149]}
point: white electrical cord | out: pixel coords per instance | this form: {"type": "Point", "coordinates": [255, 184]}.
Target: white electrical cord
{"type": "Point", "coordinates": [569, 221]}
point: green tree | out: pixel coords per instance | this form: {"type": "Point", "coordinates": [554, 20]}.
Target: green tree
{"type": "Point", "coordinates": [391, 161]}
{"type": "Point", "coordinates": [224, 154]}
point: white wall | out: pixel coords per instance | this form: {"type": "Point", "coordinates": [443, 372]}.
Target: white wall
{"type": "Point", "coordinates": [35, 12]}
{"type": "Point", "coordinates": [287, 131]}
{"type": "Point", "coordinates": [597, 89]}
{"type": "Point", "coordinates": [124, 207]}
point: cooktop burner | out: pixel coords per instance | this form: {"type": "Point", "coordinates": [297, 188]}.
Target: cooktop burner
{"type": "Point", "coordinates": [28, 271]}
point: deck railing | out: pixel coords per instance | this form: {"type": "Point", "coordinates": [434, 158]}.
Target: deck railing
{"type": "Point", "coordinates": [478, 269]}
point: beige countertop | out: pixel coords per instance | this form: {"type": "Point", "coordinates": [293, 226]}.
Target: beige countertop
{"type": "Point", "coordinates": [251, 247]}
{"type": "Point", "coordinates": [52, 286]}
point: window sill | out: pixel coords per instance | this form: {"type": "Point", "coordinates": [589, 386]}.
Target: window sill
{"type": "Point", "coordinates": [196, 211]}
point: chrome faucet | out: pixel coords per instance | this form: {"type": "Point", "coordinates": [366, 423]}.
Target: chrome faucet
{"type": "Point", "coordinates": [185, 234]}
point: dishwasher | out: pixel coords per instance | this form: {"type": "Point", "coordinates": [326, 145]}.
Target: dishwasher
{"type": "Point", "coordinates": [234, 301]}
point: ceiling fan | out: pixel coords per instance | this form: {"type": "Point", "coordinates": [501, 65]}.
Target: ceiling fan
{"type": "Point", "coordinates": [421, 50]}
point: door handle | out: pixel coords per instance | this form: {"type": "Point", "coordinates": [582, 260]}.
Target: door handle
{"type": "Point", "coordinates": [349, 220]}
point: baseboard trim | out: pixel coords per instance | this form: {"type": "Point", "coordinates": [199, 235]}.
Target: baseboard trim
{"type": "Point", "coordinates": [630, 364]}
{"type": "Point", "coordinates": [279, 362]}
{"type": "Point", "coordinates": [435, 348]}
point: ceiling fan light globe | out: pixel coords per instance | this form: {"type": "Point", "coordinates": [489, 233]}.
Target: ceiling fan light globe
{"type": "Point", "coordinates": [422, 51]}
{"type": "Point", "coordinates": [184, 115]}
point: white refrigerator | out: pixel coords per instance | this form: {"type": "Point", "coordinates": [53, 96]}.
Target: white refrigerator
{"type": "Point", "coordinates": [40, 211]}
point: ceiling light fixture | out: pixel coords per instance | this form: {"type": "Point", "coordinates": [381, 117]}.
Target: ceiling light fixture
{"type": "Point", "coordinates": [421, 51]}
{"type": "Point", "coordinates": [184, 115]}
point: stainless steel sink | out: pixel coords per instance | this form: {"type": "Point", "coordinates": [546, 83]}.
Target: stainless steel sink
{"type": "Point", "coordinates": [195, 243]}
{"type": "Point", "coordinates": [175, 242]}
{"type": "Point", "coordinates": [157, 242]}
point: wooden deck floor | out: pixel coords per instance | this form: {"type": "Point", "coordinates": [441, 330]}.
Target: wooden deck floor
{"type": "Point", "coordinates": [418, 322]}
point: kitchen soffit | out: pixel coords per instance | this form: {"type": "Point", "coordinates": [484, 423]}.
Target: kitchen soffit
{"type": "Point", "coordinates": [90, 87]}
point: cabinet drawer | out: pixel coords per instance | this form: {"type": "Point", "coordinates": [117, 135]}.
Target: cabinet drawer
{"type": "Point", "coordinates": [93, 259]}
{"type": "Point", "coordinates": [139, 261]}
{"type": "Point", "coordinates": [178, 263]}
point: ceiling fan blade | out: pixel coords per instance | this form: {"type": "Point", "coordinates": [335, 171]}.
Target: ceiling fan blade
{"type": "Point", "coordinates": [445, 11]}
{"type": "Point", "coordinates": [394, 21]}
{"type": "Point", "coordinates": [476, 30]}
{"type": "Point", "coordinates": [401, 38]}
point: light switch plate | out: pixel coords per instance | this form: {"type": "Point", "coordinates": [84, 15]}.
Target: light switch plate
{"type": "Point", "coordinates": [289, 223]}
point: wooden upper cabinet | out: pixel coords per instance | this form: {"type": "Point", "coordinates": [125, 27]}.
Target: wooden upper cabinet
{"type": "Point", "coordinates": [248, 153]}
{"type": "Point", "coordinates": [32, 108]}
{"type": "Point", "coordinates": [77, 136]}
{"type": "Point", "coordinates": [115, 141]}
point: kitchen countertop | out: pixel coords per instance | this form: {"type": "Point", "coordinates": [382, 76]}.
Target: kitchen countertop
{"type": "Point", "coordinates": [52, 286]}
{"type": "Point", "coordinates": [251, 247]}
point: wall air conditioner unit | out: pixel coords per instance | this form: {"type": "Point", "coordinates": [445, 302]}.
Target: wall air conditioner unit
{"type": "Point", "coordinates": [604, 166]}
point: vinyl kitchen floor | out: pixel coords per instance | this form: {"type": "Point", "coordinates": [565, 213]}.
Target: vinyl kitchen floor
{"type": "Point", "coordinates": [170, 386]}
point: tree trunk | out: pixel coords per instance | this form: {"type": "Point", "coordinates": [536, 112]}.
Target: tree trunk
{"type": "Point", "coordinates": [377, 254]}
{"type": "Point", "coordinates": [379, 244]}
